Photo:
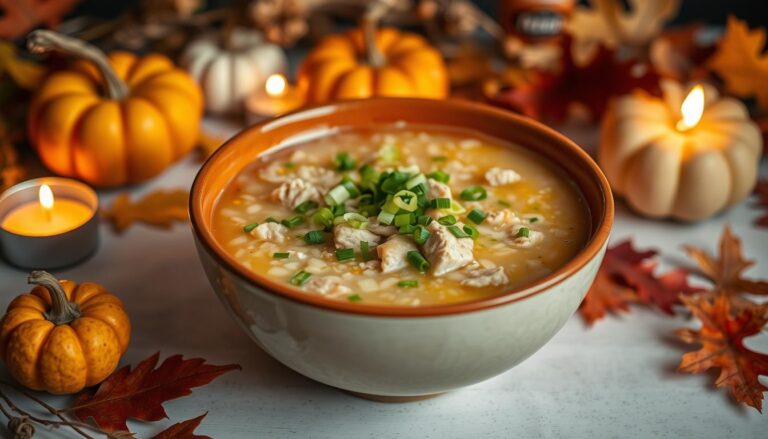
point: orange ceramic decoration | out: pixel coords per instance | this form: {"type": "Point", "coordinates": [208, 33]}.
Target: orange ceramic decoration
{"type": "Point", "coordinates": [364, 62]}
{"type": "Point", "coordinates": [62, 337]}
{"type": "Point", "coordinates": [112, 120]}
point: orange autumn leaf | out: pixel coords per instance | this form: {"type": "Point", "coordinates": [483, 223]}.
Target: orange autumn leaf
{"type": "Point", "coordinates": [159, 208]}
{"type": "Point", "coordinates": [721, 338]}
{"type": "Point", "coordinates": [739, 60]}
{"type": "Point", "coordinates": [628, 276]}
{"type": "Point", "coordinates": [726, 270]}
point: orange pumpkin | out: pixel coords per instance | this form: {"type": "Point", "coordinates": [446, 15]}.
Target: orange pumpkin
{"type": "Point", "coordinates": [365, 62]}
{"type": "Point", "coordinates": [112, 120]}
{"type": "Point", "coordinates": [62, 337]}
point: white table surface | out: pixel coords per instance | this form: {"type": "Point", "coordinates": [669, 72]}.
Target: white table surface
{"type": "Point", "coordinates": [617, 379]}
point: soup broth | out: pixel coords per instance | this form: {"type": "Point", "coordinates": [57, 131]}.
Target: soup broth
{"type": "Point", "coordinates": [402, 215]}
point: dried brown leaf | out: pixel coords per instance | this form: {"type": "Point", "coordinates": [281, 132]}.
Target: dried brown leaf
{"type": "Point", "coordinates": [159, 208]}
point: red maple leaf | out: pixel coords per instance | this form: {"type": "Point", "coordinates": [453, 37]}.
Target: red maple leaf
{"type": "Point", "coordinates": [141, 392]}
{"type": "Point", "coordinates": [551, 95]}
{"type": "Point", "coordinates": [627, 276]}
{"type": "Point", "coordinates": [183, 430]}
{"type": "Point", "coordinates": [721, 338]}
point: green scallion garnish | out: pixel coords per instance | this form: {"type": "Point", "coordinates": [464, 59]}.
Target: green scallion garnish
{"type": "Point", "coordinates": [365, 251]}
{"type": "Point", "coordinates": [249, 228]}
{"type": "Point", "coordinates": [423, 220]}
{"type": "Point", "coordinates": [337, 196]}
{"type": "Point", "coordinates": [323, 217]}
{"type": "Point", "coordinates": [406, 229]}
{"type": "Point", "coordinates": [503, 203]}
{"type": "Point", "coordinates": [408, 284]}
{"type": "Point", "coordinates": [385, 217]}
{"type": "Point", "coordinates": [406, 200]}
{"type": "Point", "coordinates": [299, 278]}
{"type": "Point", "coordinates": [477, 216]}
{"type": "Point", "coordinates": [271, 220]}
{"type": "Point", "coordinates": [354, 298]}
{"type": "Point", "coordinates": [306, 206]}
{"type": "Point", "coordinates": [439, 175]}
{"type": "Point", "coordinates": [415, 181]}
{"type": "Point", "coordinates": [289, 165]}
{"type": "Point", "coordinates": [281, 255]}
{"type": "Point", "coordinates": [441, 203]}
{"type": "Point", "coordinates": [314, 237]}
{"type": "Point", "coordinates": [533, 220]}
{"type": "Point", "coordinates": [474, 193]}
{"type": "Point", "coordinates": [344, 162]}
{"type": "Point", "coordinates": [457, 232]}
{"type": "Point", "coordinates": [417, 261]}
{"type": "Point", "coordinates": [470, 230]}
{"type": "Point", "coordinates": [523, 232]}
{"type": "Point", "coordinates": [355, 220]}
{"type": "Point", "coordinates": [420, 235]}
{"type": "Point", "coordinates": [403, 219]}
{"type": "Point", "coordinates": [447, 220]}
{"type": "Point", "coordinates": [345, 254]}
{"type": "Point", "coordinates": [439, 158]}
{"type": "Point", "coordinates": [293, 221]}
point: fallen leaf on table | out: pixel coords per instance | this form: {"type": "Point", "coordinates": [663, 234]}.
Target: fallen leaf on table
{"type": "Point", "coordinates": [183, 430]}
{"type": "Point", "coordinates": [24, 73]}
{"type": "Point", "coordinates": [609, 23]}
{"type": "Point", "coordinates": [677, 54]}
{"type": "Point", "coordinates": [721, 338]}
{"type": "Point", "coordinates": [739, 60]}
{"type": "Point", "coordinates": [761, 189]}
{"type": "Point", "coordinates": [726, 270]}
{"type": "Point", "coordinates": [552, 95]}
{"type": "Point", "coordinates": [159, 208]}
{"type": "Point", "coordinates": [141, 392]}
{"type": "Point", "coordinates": [627, 276]}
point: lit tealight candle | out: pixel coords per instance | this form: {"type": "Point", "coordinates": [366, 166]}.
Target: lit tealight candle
{"type": "Point", "coordinates": [277, 97]}
{"type": "Point", "coordinates": [48, 223]}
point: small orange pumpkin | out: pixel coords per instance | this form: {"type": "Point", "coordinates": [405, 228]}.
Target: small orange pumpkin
{"type": "Point", "coordinates": [62, 337]}
{"type": "Point", "coordinates": [148, 118]}
{"type": "Point", "coordinates": [363, 63]}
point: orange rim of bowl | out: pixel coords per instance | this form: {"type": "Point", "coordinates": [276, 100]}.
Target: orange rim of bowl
{"type": "Point", "coordinates": [600, 226]}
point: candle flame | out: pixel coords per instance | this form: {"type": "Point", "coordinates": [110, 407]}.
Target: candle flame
{"type": "Point", "coordinates": [275, 85]}
{"type": "Point", "coordinates": [46, 197]}
{"type": "Point", "coordinates": [692, 108]}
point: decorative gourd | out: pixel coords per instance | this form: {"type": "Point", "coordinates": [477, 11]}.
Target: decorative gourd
{"type": "Point", "coordinates": [231, 68]}
{"type": "Point", "coordinates": [62, 337]}
{"type": "Point", "coordinates": [112, 120]}
{"type": "Point", "coordinates": [364, 62]}
{"type": "Point", "coordinates": [666, 166]}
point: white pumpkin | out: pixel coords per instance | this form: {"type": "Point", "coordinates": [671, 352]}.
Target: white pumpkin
{"type": "Point", "coordinates": [228, 73]}
{"type": "Point", "coordinates": [666, 171]}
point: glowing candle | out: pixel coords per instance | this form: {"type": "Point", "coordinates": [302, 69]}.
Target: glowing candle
{"type": "Point", "coordinates": [277, 97]}
{"type": "Point", "coordinates": [46, 217]}
{"type": "Point", "coordinates": [691, 109]}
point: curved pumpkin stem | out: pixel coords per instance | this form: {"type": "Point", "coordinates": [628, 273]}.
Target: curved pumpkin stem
{"type": "Point", "coordinates": [41, 41]}
{"type": "Point", "coordinates": [370, 21]}
{"type": "Point", "coordinates": [62, 310]}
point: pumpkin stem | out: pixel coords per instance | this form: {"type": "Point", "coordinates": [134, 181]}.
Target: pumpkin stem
{"type": "Point", "coordinates": [62, 310]}
{"type": "Point", "coordinates": [375, 11]}
{"type": "Point", "coordinates": [41, 41]}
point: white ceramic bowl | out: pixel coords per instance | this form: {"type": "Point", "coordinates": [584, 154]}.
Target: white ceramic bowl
{"type": "Point", "coordinates": [400, 353]}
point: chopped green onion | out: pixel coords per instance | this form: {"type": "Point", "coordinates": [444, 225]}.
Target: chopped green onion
{"type": "Point", "coordinates": [470, 230]}
{"type": "Point", "coordinates": [406, 229]}
{"type": "Point", "coordinates": [336, 196]}
{"type": "Point", "coordinates": [385, 217]}
{"type": "Point", "coordinates": [408, 284]}
{"type": "Point", "coordinates": [403, 219]}
{"type": "Point", "coordinates": [323, 217]}
{"type": "Point", "coordinates": [281, 255]}
{"type": "Point", "coordinates": [439, 175]}
{"type": "Point", "coordinates": [417, 260]}
{"type": "Point", "coordinates": [349, 185]}
{"type": "Point", "coordinates": [394, 182]}
{"type": "Point", "coordinates": [249, 228]}
{"type": "Point", "coordinates": [339, 210]}
{"type": "Point", "coordinates": [390, 206]}
{"type": "Point", "coordinates": [300, 278]}
{"type": "Point", "coordinates": [355, 220]}
{"type": "Point", "coordinates": [415, 181]}
{"type": "Point", "coordinates": [441, 203]}
{"type": "Point", "coordinates": [533, 219]}
{"type": "Point", "coordinates": [345, 254]}
{"type": "Point", "coordinates": [406, 200]}
{"type": "Point", "coordinates": [354, 298]}
{"type": "Point", "coordinates": [447, 220]}
{"type": "Point", "coordinates": [504, 203]}
{"type": "Point", "coordinates": [477, 216]}
{"type": "Point", "coordinates": [523, 232]}
{"type": "Point", "coordinates": [439, 158]}
{"type": "Point", "coordinates": [420, 189]}
{"type": "Point", "coordinates": [457, 232]}
{"type": "Point", "coordinates": [305, 206]}
{"type": "Point", "coordinates": [365, 251]}
{"type": "Point", "coordinates": [314, 237]}
{"type": "Point", "coordinates": [289, 165]}
{"type": "Point", "coordinates": [271, 220]}
{"type": "Point", "coordinates": [455, 209]}
{"type": "Point", "coordinates": [423, 220]}
{"type": "Point", "coordinates": [420, 235]}
{"type": "Point", "coordinates": [344, 162]}
{"type": "Point", "coordinates": [474, 193]}
{"type": "Point", "coordinates": [293, 221]}
{"type": "Point", "coordinates": [388, 154]}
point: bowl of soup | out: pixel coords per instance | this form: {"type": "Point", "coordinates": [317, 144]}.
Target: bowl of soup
{"type": "Point", "coordinates": [400, 248]}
